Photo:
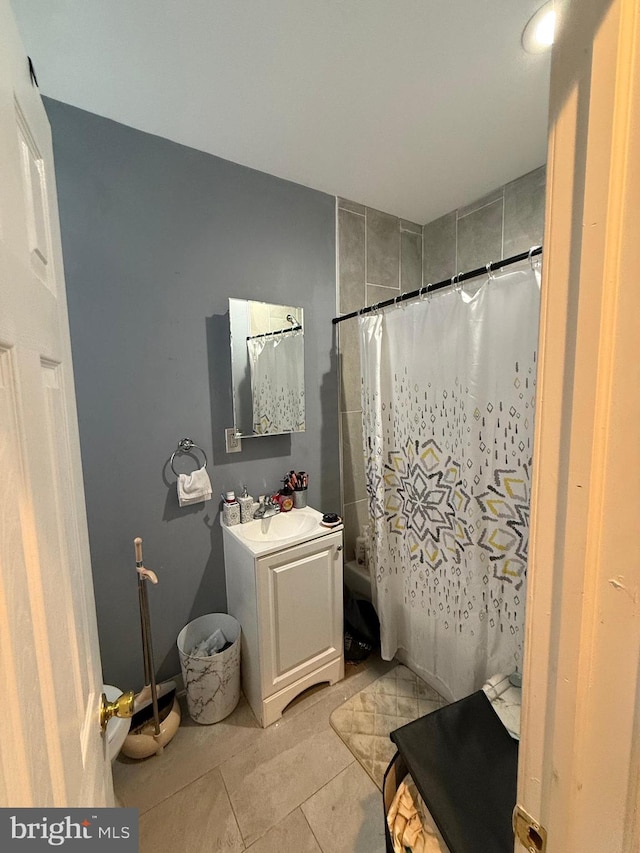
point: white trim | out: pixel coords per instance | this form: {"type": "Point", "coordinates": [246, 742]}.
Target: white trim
{"type": "Point", "coordinates": [579, 773]}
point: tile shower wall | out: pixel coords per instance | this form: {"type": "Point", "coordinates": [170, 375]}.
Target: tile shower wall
{"type": "Point", "coordinates": [503, 223]}
{"type": "Point", "coordinates": [381, 256]}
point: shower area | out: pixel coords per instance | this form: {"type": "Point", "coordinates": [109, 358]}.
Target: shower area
{"type": "Point", "coordinates": [444, 386]}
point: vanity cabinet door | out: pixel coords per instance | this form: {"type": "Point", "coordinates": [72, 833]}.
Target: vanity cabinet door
{"type": "Point", "coordinates": [299, 610]}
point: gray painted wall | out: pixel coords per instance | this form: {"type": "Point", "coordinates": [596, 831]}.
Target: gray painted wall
{"type": "Point", "coordinates": [156, 237]}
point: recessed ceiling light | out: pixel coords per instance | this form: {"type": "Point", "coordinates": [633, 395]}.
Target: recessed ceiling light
{"type": "Point", "coordinates": [537, 36]}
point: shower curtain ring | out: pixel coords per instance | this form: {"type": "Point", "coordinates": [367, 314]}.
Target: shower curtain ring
{"type": "Point", "coordinates": [455, 282]}
{"type": "Point", "coordinates": [424, 291]}
{"type": "Point", "coordinates": [490, 274]}
{"type": "Point", "coordinates": [531, 251]}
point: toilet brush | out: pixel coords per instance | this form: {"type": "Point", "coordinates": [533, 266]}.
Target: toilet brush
{"type": "Point", "coordinates": [156, 710]}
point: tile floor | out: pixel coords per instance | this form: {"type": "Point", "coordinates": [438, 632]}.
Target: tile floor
{"type": "Point", "coordinates": [234, 786]}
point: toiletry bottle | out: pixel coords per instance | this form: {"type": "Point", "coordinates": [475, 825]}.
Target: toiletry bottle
{"type": "Point", "coordinates": [366, 531]}
{"type": "Point", "coordinates": [246, 506]}
{"type": "Point", "coordinates": [230, 509]}
{"type": "Point", "coordinates": [285, 497]}
{"type": "Point", "coordinates": [360, 549]}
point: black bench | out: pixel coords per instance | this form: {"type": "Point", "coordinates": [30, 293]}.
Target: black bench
{"type": "Point", "coordinates": [464, 764]}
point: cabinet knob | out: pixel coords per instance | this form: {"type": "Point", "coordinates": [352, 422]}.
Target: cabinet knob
{"type": "Point", "coordinates": [339, 548]}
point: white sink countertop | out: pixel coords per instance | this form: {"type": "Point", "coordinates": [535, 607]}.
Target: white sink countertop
{"type": "Point", "coordinates": [265, 535]}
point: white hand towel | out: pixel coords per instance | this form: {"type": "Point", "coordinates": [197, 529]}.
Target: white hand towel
{"type": "Point", "coordinates": [194, 488]}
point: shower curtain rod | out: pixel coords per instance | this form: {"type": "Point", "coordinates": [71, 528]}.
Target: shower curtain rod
{"type": "Point", "coordinates": [279, 332]}
{"type": "Point", "coordinates": [447, 282]}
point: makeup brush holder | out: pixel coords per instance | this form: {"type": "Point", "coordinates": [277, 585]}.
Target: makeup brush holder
{"type": "Point", "coordinates": [299, 498]}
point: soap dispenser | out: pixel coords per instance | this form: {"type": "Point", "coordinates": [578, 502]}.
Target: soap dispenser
{"type": "Point", "coordinates": [246, 506]}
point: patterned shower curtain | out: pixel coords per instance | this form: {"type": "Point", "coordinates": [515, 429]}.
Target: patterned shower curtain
{"type": "Point", "coordinates": [448, 410]}
{"type": "Point", "coordinates": [277, 383]}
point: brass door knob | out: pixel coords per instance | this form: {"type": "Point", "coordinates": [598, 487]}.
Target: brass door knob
{"type": "Point", "coordinates": [121, 707]}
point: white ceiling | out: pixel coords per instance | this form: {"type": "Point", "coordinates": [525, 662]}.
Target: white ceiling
{"type": "Point", "coordinates": [410, 106]}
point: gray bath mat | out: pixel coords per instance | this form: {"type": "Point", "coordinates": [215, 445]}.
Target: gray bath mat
{"type": "Point", "coordinates": [365, 721]}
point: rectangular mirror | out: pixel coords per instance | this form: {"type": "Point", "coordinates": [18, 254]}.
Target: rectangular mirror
{"type": "Point", "coordinates": [267, 368]}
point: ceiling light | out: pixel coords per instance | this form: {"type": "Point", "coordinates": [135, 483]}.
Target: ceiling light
{"type": "Point", "coordinates": [537, 36]}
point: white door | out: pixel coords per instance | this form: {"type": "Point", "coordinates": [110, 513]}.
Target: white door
{"type": "Point", "coordinates": [579, 769]}
{"type": "Point", "coordinates": [51, 749]}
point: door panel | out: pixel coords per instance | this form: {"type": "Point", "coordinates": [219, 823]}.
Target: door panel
{"type": "Point", "coordinates": [50, 669]}
{"type": "Point", "coordinates": [300, 610]}
{"type": "Point", "coordinates": [35, 196]}
{"type": "Point", "coordinates": [301, 592]}
{"type": "Point", "coordinates": [579, 767]}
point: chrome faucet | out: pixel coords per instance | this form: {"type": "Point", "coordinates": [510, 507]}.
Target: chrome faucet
{"type": "Point", "coordinates": [267, 508]}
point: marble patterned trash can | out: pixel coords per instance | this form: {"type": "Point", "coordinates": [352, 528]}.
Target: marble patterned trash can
{"type": "Point", "coordinates": [212, 682]}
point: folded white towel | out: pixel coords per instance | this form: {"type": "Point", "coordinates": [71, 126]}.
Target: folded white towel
{"type": "Point", "coordinates": [194, 488]}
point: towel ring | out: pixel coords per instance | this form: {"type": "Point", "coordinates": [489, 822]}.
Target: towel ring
{"type": "Point", "coordinates": [186, 445]}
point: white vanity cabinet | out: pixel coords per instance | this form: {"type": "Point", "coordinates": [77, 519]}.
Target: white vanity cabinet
{"type": "Point", "coordinates": [287, 597]}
